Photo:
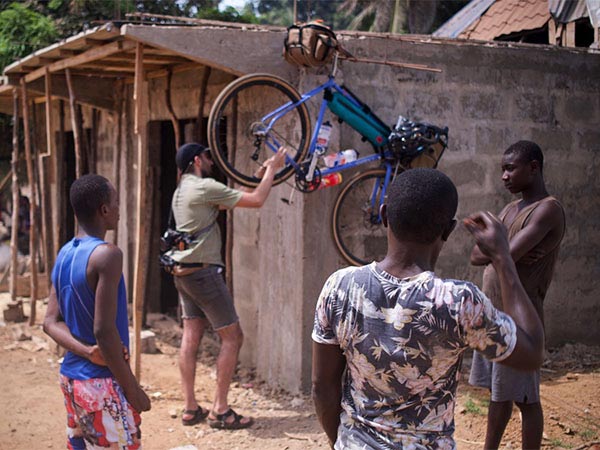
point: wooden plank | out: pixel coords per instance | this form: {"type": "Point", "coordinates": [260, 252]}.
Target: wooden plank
{"type": "Point", "coordinates": [48, 109]}
{"type": "Point", "coordinates": [60, 209]}
{"type": "Point", "coordinates": [32, 202]}
{"type": "Point", "coordinates": [142, 237]}
{"type": "Point", "coordinates": [570, 35]}
{"type": "Point", "coordinates": [172, 115]}
{"type": "Point", "coordinates": [14, 233]}
{"type": "Point", "coordinates": [200, 129]}
{"type": "Point", "coordinates": [75, 127]}
{"type": "Point", "coordinates": [87, 56]}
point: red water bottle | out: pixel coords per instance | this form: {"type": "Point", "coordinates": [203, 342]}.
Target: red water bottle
{"type": "Point", "coordinates": [332, 179]}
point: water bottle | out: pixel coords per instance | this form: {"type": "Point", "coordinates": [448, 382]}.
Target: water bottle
{"type": "Point", "coordinates": [330, 180]}
{"type": "Point", "coordinates": [343, 157]}
{"type": "Point", "coordinates": [323, 137]}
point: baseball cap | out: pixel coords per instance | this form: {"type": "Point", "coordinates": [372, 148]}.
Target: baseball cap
{"type": "Point", "coordinates": [186, 154]}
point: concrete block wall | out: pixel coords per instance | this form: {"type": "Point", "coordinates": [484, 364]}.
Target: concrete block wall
{"type": "Point", "coordinates": [489, 96]}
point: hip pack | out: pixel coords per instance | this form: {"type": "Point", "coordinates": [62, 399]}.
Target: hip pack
{"type": "Point", "coordinates": [310, 44]}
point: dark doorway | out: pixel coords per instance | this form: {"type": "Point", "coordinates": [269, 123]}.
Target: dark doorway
{"type": "Point", "coordinates": [162, 147]}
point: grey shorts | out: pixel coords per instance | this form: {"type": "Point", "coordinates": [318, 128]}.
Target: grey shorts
{"type": "Point", "coordinates": [204, 294]}
{"type": "Point", "coordinates": [505, 383]}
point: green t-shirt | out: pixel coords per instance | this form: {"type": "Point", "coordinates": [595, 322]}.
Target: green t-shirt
{"type": "Point", "coordinates": [195, 204]}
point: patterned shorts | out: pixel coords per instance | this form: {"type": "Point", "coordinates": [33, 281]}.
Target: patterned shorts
{"type": "Point", "coordinates": [98, 412]}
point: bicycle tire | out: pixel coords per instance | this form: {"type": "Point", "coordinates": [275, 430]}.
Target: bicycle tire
{"type": "Point", "coordinates": [359, 235]}
{"type": "Point", "coordinates": [230, 125]}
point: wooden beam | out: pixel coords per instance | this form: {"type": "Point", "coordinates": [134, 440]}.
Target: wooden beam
{"type": "Point", "coordinates": [172, 115]}
{"type": "Point", "coordinates": [16, 197]}
{"type": "Point", "coordinates": [143, 208]}
{"type": "Point", "coordinates": [85, 57]}
{"type": "Point", "coordinates": [75, 127]}
{"type": "Point", "coordinates": [68, 53]}
{"type": "Point", "coordinates": [200, 129]}
{"type": "Point", "coordinates": [49, 129]}
{"type": "Point", "coordinates": [570, 35]}
{"type": "Point", "coordinates": [32, 204]}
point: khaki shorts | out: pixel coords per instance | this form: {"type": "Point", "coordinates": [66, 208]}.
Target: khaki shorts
{"type": "Point", "coordinates": [203, 293]}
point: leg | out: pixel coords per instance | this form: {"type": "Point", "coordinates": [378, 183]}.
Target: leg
{"type": "Point", "coordinates": [533, 425]}
{"type": "Point", "coordinates": [498, 416]}
{"type": "Point", "coordinates": [193, 329]}
{"type": "Point", "coordinates": [231, 342]}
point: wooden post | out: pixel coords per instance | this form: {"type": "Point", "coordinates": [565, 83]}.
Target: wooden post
{"type": "Point", "coordinates": [33, 206]}
{"type": "Point", "coordinates": [75, 127]}
{"type": "Point", "coordinates": [14, 232]}
{"type": "Point", "coordinates": [117, 149]}
{"type": "Point", "coordinates": [200, 128]}
{"type": "Point", "coordinates": [172, 114]}
{"type": "Point", "coordinates": [570, 35]}
{"type": "Point", "coordinates": [142, 228]}
{"type": "Point", "coordinates": [60, 212]}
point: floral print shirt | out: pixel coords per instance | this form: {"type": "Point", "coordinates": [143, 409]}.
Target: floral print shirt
{"type": "Point", "coordinates": [403, 340]}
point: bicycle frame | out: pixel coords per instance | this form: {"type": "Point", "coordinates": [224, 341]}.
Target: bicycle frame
{"type": "Point", "coordinates": [313, 153]}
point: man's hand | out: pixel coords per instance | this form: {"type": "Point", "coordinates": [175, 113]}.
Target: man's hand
{"type": "Point", "coordinates": [276, 161]}
{"type": "Point", "coordinates": [489, 233]}
{"type": "Point", "coordinates": [138, 399]}
{"type": "Point", "coordinates": [95, 355]}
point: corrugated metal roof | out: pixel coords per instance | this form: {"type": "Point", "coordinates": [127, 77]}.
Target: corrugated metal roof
{"type": "Point", "coordinates": [505, 17]}
{"type": "Point", "coordinates": [565, 11]}
{"type": "Point", "coordinates": [463, 18]}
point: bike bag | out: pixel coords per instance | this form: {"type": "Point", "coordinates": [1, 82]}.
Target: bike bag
{"type": "Point", "coordinates": [309, 44]}
{"type": "Point", "coordinates": [351, 110]}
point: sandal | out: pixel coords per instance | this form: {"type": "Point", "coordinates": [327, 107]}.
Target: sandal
{"type": "Point", "coordinates": [220, 421]}
{"type": "Point", "coordinates": [198, 416]}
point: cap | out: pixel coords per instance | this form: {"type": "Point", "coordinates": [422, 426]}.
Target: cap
{"type": "Point", "coordinates": [187, 153]}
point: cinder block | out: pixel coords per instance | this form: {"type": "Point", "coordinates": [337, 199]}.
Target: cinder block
{"type": "Point", "coordinates": [14, 312]}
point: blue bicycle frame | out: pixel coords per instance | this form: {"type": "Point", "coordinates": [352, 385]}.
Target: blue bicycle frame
{"type": "Point", "coordinates": [275, 115]}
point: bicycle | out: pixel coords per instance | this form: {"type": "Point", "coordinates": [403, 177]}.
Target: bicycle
{"type": "Point", "coordinates": [272, 113]}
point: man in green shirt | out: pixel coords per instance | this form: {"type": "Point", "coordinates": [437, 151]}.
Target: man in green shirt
{"type": "Point", "coordinates": [203, 295]}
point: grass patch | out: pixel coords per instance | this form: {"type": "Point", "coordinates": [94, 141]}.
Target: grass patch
{"type": "Point", "coordinates": [473, 407]}
{"type": "Point", "coordinates": [588, 434]}
{"type": "Point", "coordinates": [555, 443]}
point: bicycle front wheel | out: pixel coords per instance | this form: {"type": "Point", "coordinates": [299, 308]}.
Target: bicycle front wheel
{"type": "Point", "coordinates": [356, 224]}
{"type": "Point", "coordinates": [250, 119]}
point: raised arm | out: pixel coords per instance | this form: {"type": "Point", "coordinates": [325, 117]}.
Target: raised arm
{"type": "Point", "coordinates": [257, 197]}
{"type": "Point", "coordinates": [491, 238]}
{"type": "Point", "coordinates": [55, 327]}
{"type": "Point", "coordinates": [328, 364]}
{"type": "Point", "coordinates": [106, 263]}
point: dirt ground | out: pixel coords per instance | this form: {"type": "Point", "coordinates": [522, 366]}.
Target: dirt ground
{"type": "Point", "coordinates": [32, 413]}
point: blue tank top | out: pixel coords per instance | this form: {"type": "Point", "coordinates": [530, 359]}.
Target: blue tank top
{"type": "Point", "coordinates": [76, 301]}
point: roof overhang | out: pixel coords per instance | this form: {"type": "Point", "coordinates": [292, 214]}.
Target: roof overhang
{"type": "Point", "coordinates": [107, 54]}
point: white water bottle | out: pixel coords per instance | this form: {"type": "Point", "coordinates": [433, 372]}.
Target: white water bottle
{"type": "Point", "coordinates": [339, 158]}
{"type": "Point", "coordinates": [323, 137]}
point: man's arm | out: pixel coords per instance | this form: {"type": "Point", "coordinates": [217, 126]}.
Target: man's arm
{"type": "Point", "coordinates": [107, 262]}
{"type": "Point", "coordinates": [491, 238]}
{"type": "Point", "coordinates": [258, 196]}
{"type": "Point", "coordinates": [328, 364]}
{"type": "Point", "coordinates": [55, 327]}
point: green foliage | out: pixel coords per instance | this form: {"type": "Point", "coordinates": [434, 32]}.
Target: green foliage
{"type": "Point", "coordinates": [473, 407]}
{"type": "Point", "coordinates": [229, 14]}
{"type": "Point", "coordinates": [22, 31]}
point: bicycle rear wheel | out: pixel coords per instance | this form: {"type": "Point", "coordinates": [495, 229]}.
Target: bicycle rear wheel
{"type": "Point", "coordinates": [242, 134]}
{"type": "Point", "coordinates": [356, 224]}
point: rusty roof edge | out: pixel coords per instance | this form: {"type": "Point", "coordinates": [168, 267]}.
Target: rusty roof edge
{"type": "Point", "coordinates": [430, 39]}
{"type": "Point", "coordinates": [108, 27]}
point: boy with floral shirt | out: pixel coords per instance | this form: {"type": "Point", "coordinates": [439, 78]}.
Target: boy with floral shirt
{"type": "Point", "coordinates": [389, 337]}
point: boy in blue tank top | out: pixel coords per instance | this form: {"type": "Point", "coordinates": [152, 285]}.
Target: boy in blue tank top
{"type": "Point", "coordinates": [87, 315]}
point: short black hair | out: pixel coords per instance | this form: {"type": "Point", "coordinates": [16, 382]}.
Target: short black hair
{"type": "Point", "coordinates": [421, 203]}
{"type": "Point", "coordinates": [88, 193]}
{"type": "Point", "coordinates": [527, 150]}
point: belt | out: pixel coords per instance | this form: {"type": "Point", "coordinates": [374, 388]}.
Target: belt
{"type": "Point", "coordinates": [192, 265]}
